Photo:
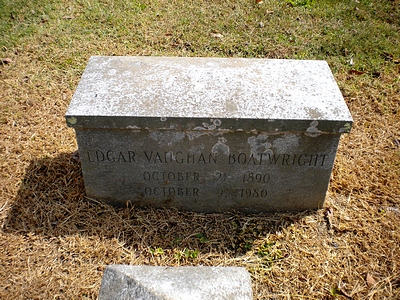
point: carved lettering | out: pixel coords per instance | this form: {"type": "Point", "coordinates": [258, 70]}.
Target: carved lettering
{"type": "Point", "coordinates": [273, 159]}
{"type": "Point", "coordinates": [171, 191]}
{"type": "Point", "coordinates": [253, 193]}
{"type": "Point", "coordinates": [171, 176]}
{"type": "Point", "coordinates": [286, 159]}
{"type": "Point", "coordinates": [253, 160]}
{"type": "Point", "coordinates": [121, 157]}
{"type": "Point", "coordinates": [300, 160]}
{"type": "Point", "coordinates": [111, 156]}
{"type": "Point", "coordinates": [131, 156]}
{"type": "Point", "coordinates": [99, 155]}
{"type": "Point", "coordinates": [90, 158]}
{"type": "Point", "coordinates": [179, 157]}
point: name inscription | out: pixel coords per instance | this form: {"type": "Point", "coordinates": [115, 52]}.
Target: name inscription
{"type": "Point", "coordinates": [153, 157]}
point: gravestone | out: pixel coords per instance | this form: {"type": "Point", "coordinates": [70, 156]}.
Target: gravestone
{"type": "Point", "coordinates": [208, 134]}
{"type": "Point", "coordinates": [125, 282]}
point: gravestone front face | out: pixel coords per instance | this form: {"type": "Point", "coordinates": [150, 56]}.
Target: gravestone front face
{"type": "Point", "coordinates": [208, 134]}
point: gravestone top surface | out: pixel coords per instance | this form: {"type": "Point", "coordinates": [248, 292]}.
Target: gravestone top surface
{"type": "Point", "coordinates": [175, 283]}
{"type": "Point", "coordinates": [144, 92]}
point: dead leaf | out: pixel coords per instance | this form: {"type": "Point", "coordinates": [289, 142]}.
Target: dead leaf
{"type": "Point", "coordinates": [387, 56]}
{"type": "Point", "coordinates": [136, 254]}
{"type": "Point", "coordinates": [68, 17]}
{"type": "Point", "coordinates": [376, 74]}
{"type": "Point", "coordinates": [355, 72]}
{"type": "Point", "coordinates": [259, 1]}
{"type": "Point", "coordinates": [293, 219]}
{"type": "Point", "coordinates": [337, 290]}
{"type": "Point", "coordinates": [370, 281]}
{"type": "Point", "coordinates": [394, 209]}
{"type": "Point", "coordinates": [396, 282]}
{"type": "Point", "coordinates": [334, 245]}
{"type": "Point", "coordinates": [344, 293]}
{"type": "Point", "coordinates": [6, 60]}
{"type": "Point", "coordinates": [350, 61]}
{"type": "Point", "coordinates": [390, 57]}
{"type": "Point", "coordinates": [217, 35]}
{"type": "Point", "coordinates": [75, 155]}
{"type": "Point", "coordinates": [397, 142]}
{"type": "Point", "coordinates": [329, 216]}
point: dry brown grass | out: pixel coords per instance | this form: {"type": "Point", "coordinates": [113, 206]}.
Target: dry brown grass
{"type": "Point", "coordinates": [55, 243]}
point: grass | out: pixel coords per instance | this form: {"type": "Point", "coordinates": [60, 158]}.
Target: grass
{"type": "Point", "coordinates": [55, 243]}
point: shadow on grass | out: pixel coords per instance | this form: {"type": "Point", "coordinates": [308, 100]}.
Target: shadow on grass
{"type": "Point", "coordinates": [51, 202]}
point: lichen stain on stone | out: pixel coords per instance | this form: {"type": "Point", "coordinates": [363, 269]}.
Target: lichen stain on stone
{"type": "Point", "coordinates": [167, 138]}
{"type": "Point", "coordinates": [197, 132]}
{"type": "Point", "coordinates": [259, 144]}
{"type": "Point", "coordinates": [286, 144]}
{"type": "Point", "coordinates": [112, 72]}
{"type": "Point", "coordinates": [345, 129]}
{"type": "Point", "coordinates": [134, 128]}
{"type": "Point", "coordinates": [221, 147]}
{"type": "Point", "coordinates": [313, 131]}
{"type": "Point", "coordinates": [314, 113]}
{"type": "Point", "coordinates": [205, 129]}
{"type": "Point", "coordinates": [197, 148]}
{"type": "Point", "coordinates": [72, 120]}
{"type": "Point", "coordinates": [216, 122]}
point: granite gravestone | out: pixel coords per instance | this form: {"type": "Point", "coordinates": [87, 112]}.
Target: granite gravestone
{"type": "Point", "coordinates": [208, 134]}
{"type": "Point", "coordinates": [177, 283]}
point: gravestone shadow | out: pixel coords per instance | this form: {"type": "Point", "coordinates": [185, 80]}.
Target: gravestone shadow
{"type": "Point", "coordinates": [51, 202]}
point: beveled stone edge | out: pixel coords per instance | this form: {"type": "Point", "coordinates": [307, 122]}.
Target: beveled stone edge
{"type": "Point", "coordinates": [209, 124]}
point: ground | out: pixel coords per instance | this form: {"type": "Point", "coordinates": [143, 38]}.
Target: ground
{"type": "Point", "coordinates": [55, 242]}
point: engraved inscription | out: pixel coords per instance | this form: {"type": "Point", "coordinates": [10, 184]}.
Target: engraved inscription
{"type": "Point", "coordinates": [171, 191]}
{"type": "Point", "coordinates": [111, 156]}
{"type": "Point", "coordinates": [255, 193]}
{"type": "Point", "coordinates": [250, 178]}
{"type": "Point", "coordinates": [179, 157]}
{"type": "Point", "coordinates": [171, 176]}
{"type": "Point", "coordinates": [278, 159]}
{"type": "Point", "coordinates": [256, 177]}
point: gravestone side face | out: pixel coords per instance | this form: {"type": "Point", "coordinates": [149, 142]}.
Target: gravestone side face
{"type": "Point", "coordinates": [176, 283]}
{"type": "Point", "coordinates": [208, 134]}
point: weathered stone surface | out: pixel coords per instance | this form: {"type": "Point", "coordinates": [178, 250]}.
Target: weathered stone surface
{"type": "Point", "coordinates": [124, 282]}
{"type": "Point", "coordinates": [208, 134]}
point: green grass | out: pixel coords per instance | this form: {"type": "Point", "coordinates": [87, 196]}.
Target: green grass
{"type": "Point", "coordinates": [360, 32]}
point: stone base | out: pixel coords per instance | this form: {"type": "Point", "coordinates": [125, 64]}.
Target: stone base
{"type": "Point", "coordinates": [156, 283]}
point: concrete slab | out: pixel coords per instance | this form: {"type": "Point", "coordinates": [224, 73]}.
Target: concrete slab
{"type": "Point", "coordinates": [125, 282]}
